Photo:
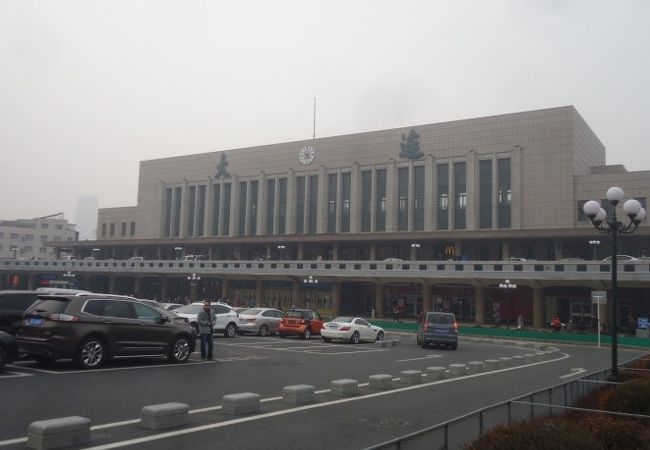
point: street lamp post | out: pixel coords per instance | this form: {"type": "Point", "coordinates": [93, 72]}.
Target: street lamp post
{"type": "Point", "coordinates": [95, 251]}
{"type": "Point", "coordinates": [507, 286]}
{"type": "Point", "coordinates": [193, 279]}
{"type": "Point", "coordinates": [178, 251]}
{"type": "Point", "coordinates": [594, 243]}
{"type": "Point", "coordinates": [310, 281]}
{"type": "Point", "coordinates": [414, 250]}
{"type": "Point", "coordinates": [281, 251]}
{"type": "Point", "coordinates": [613, 227]}
{"type": "Point", "coordinates": [69, 277]}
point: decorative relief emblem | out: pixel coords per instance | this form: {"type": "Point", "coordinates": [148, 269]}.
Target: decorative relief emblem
{"type": "Point", "coordinates": [221, 167]}
{"type": "Point", "coordinates": [411, 146]}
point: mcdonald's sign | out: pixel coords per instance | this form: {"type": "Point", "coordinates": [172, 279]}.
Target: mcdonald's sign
{"type": "Point", "coordinates": [450, 250]}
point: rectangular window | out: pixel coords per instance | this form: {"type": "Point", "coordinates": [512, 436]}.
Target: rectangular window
{"type": "Point", "coordinates": [243, 186]}
{"type": "Point", "coordinates": [582, 217]}
{"type": "Point", "coordinates": [42, 250]}
{"type": "Point", "coordinates": [331, 203]}
{"type": "Point", "coordinates": [252, 214]}
{"type": "Point", "coordinates": [366, 195]}
{"type": "Point", "coordinates": [380, 207]}
{"type": "Point", "coordinates": [346, 195]}
{"type": "Point", "coordinates": [58, 226]}
{"type": "Point", "coordinates": [485, 193]}
{"type": "Point", "coordinates": [313, 203]}
{"type": "Point", "coordinates": [443, 196]}
{"type": "Point", "coordinates": [167, 218]}
{"type": "Point", "coordinates": [504, 193]}
{"type": "Point", "coordinates": [300, 205]}
{"type": "Point", "coordinates": [200, 211]}
{"type": "Point", "coordinates": [178, 192]}
{"type": "Point", "coordinates": [14, 236]}
{"type": "Point", "coordinates": [45, 226]}
{"type": "Point", "coordinates": [460, 192]}
{"type": "Point", "coordinates": [418, 201]}
{"type": "Point", "coordinates": [216, 202]}
{"type": "Point", "coordinates": [227, 191]}
{"type": "Point", "coordinates": [112, 230]}
{"type": "Point", "coordinates": [132, 230]}
{"type": "Point", "coordinates": [190, 211]}
{"type": "Point", "coordinates": [282, 207]}
{"type": "Point", "coordinates": [29, 237]}
{"type": "Point", "coordinates": [123, 229]}
{"type": "Point", "coordinates": [270, 205]}
{"type": "Point", "coordinates": [402, 198]}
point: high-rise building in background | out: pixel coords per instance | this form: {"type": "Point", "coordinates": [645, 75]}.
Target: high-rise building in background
{"type": "Point", "coordinates": [86, 217]}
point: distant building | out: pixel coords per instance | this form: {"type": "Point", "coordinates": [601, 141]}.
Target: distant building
{"type": "Point", "coordinates": [26, 238]}
{"type": "Point", "coordinates": [86, 217]}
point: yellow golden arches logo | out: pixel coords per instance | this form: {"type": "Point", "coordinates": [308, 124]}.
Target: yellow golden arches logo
{"type": "Point", "coordinates": [450, 250]}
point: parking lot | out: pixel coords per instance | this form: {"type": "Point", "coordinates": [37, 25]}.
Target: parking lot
{"type": "Point", "coordinates": [112, 396]}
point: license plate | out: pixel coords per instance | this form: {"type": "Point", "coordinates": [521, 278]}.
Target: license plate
{"type": "Point", "coordinates": [334, 327]}
{"type": "Point", "coordinates": [34, 321]}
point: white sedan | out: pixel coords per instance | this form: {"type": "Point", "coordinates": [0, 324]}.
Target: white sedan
{"type": "Point", "coordinates": [352, 329]}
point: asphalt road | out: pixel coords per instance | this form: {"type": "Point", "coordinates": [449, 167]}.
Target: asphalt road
{"type": "Point", "coordinates": [117, 392]}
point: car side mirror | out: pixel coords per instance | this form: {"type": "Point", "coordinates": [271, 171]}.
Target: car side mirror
{"type": "Point", "coordinates": [162, 319]}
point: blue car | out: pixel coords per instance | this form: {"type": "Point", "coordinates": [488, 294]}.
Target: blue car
{"type": "Point", "coordinates": [438, 328]}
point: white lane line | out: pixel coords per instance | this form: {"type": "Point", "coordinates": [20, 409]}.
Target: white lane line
{"type": "Point", "coordinates": [323, 391]}
{"type": "Point", "coordinates": [416, 359]}
{"type": "Point", "coordinates": [300, 408]}
{"type": "Point", "coordinates": [24, 367]}
{"type": "Point", "coordinates": [574, 372]}
{"type": "Point", "coordinates": [112, 369]}
{"type": "Point", "coordinates": [353, 352]}
{"type": "Point", "coordinates": [9, 374]}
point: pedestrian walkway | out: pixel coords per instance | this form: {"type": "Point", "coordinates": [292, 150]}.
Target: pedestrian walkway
{"type": "Point", "coordinates": [525, 334]}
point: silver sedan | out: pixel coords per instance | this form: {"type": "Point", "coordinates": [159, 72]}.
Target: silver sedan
{"type": "Point", "coordinates": [261, 321]}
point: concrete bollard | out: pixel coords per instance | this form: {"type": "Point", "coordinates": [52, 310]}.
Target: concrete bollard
{"type": "Point", "coordinates": [476, 367]}
{"type": "Point", "coordinates": [394, 342]}
{"type": "Point", "coordinates": [344, 387]}
{"type": "Point", "coordinates": [410, 377]}
{"type": "Point", "coordinates": [298, 394]}
{"type": "Point", "coordinates": [436, 372]}
{"type": "Point", "coordinates": [242, 403]}
{"type": "Point", "coordinates": [164, 415]}
{"type": "Point", "coordinates": [518, 360]}
{"type": "Point", "coordinates": [529, 358]}
{"type": "Point", "coordinates": [58, 433]}
{"type": "Point", "coordinates": [457, 370]}
{"type": "Point", "coordinates": [506, 361]}
{"type": "Point", "coordinates": [380, 382]}
{"type": "Point", "coordinates": [492, 364]}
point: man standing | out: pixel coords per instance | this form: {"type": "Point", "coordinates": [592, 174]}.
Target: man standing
{"type": "Point", "coordinates": [206, 319]}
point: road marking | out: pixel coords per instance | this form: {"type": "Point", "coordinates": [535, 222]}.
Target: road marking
{"type": "Point", "coordinates": [575, 371]}
{"type": "Point", "coordinates": [241, 358]}
{"type": "Point", "coordinates": [416, 359]}
{"type": "Point", "coordinates": [9, 374]}
{"type": "Point", "coordinates": [112, 369]}
{"type": "Point", "coordinates": [316, 352]}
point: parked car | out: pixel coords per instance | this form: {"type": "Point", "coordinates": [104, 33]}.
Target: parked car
{"type": "Point", "coordinates": [226, 317]}
{"type": "Point", "coordinates": [300, 322]}
{"type": "Point", "coordinates": [351, 329]}
{"type": "Point", "coordinates": [91, 329]}
{"type": "Point", "coordinates": [193, 258]}
{"type": "Point", "coordinates": [516, 259]}
{"type": "Point", "coordinates": [172, 306]}
{"type": "Point", "coordinates": [438, 328]}
{"type": "Point", "coordinates": [8, 349]}
{"type": "Point", "coordinates": [393, 260]}
{"type": "Point", "coordinates": [621, 258]}
{"type": "Point", "coordinates": [261, 321]}
{"type": "Point", "coordinates": [13, 305]}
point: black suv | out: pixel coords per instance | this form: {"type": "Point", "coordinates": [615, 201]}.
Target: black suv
{"type": "Point", "coordinates": [8, 349]}
{"type": "Point", "coordinates": [91, 328]}
{"type": "Point", "coordinates": [12, 307]}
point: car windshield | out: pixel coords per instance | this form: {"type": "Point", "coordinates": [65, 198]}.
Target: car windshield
{"type": "Point", "coordinates": [189, 309]}
{"type": "Point", "coordinates": [294, 313]}
{"type": "Point", "coordinates": [52, 306]}
{"type": "Point", "coordinates": [441, 319]}
{"type": "Point", "coordinates": [342, 319]}
{"type": "Point", "coordinates": [251, 312]}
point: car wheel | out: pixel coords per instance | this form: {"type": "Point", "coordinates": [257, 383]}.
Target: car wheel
{"type": "Point", "coordinates": [231, 330]}
{"type": "Point", "coordinates": [45, 361]}
{"type": "Point", "coordinates": [380, 336]}
{"type": "Point", "coordinates": [264, 331]}
{"type": "Point", "coordinates": [423, 343]}
{"type": "Point", "coordinates": [418, 340]}
{"type": "Point", "coordinates": [355, 338]}
{"type": "Point", "coordinates": [306, 334]}
{"type": "Point", "coordinates": [454, 346]}
{"type": "Point", "coordinates": [327, 339]}
{"type": "Point", "coordinates": [91, 353]}
{"type": "Point", "coordinates": [180, 350]}
{"type": "Point", "coordinates": [3, 358]}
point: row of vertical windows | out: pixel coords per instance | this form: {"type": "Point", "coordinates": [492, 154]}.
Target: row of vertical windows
{"type": "Point", "coordinates": [366, 199]}
{"type": "Point", "coordinates": [460, 196]}
{"type": "Point", "coordinates": [111, 227]}
{"type": "Point", "coordinates": [331, 203]}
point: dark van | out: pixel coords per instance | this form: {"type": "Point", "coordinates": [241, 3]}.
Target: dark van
{"type": "Point", "coordinates": [13, 305]}
{"type": "Point", "coordinates": [438, 328]}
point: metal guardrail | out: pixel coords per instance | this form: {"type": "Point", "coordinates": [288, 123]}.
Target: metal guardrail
{"type": "Point", "coordinates": [462, 430]}
{"type": "Point", "coordinates": [497, 270]}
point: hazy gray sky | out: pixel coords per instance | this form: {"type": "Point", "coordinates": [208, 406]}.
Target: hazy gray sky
{"type": "Point", "coordinates": [90, 88]}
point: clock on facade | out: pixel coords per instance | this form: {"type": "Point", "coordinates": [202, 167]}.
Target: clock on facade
{"type": "Point", "coordinates": [306, 154]}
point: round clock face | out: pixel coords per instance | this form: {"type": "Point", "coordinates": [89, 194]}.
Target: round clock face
{"type": "Point", "coordinates": [307, 154]}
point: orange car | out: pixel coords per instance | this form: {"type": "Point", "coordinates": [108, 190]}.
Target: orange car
{"type": "Point", "coordinates": [300, 322]}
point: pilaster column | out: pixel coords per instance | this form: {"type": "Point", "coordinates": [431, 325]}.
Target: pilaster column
{"type": "Point", "coordinates": [321, 211]}
{"type": "Point", "coordinates": [410, 199]}
{"type": "Point", "coordinates": [373, 200]}
{"type": "Point", "coordinates": [339, 200]}
{"type": "Point", "coordinates": [163, 289]}
{"type": "Point", "coordinates": [222, 200]}
{"type": "Point", "coordinates": [183, 219]}
{"type": "Point", "coordinates": [111, 284]}
{"type": "Point", "coordinates": [516, 170]}
{"type": "Point", "coordinates": [247, 210]}
{"type": "Point", "coordinates": [172, 215]}
{"type": "Point", "coordinates": [452, 196]}
{"type": "Point", "coordinates": [479, 304]}
{"type": "Point", "coordinates": [225, 287]}
{"type": "Point", "coordinates": [538, 307]}
{"type": "Point", "coordinates": [373, 251]}
{"type": "Point", "coordinates": [427, 302]}
{"type": "Point", "coordinates": [31, 281]}
{"type": "Point", "coordinates": [235, 192]}
{"type": "Point", "coordinates": [495, 193]}
{"type": "Point", "coordinates": [208, 217]}
{"type": "Point", "coordinates": [428, 194]}
{"type": "Point", "coordinates": [290, 226]}
{"type": "Point", "coordinates": [301, 249]}
{"type": "Point", "coordinates": [295, 293]}
{"type": "Point", "coordinates": [195, 219]}
{"type": "Point", "coordinates": [355, 198]}
{"type": "Point", "coordinates": [335, 251]}
{"type": "Point", "coordinates": [276, 207]}
{"type": "Point", "coordinates": [262, 202]}
{"type": "Point", "coordinates": [391, 196]}
{"type": "Point", "coordinates": [471, 187]}
{"type": "Point", "coordinates": [379, 301]}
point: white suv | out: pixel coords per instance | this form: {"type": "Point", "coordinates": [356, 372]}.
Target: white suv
{"type": "Point", "coordinates": [226, 317]}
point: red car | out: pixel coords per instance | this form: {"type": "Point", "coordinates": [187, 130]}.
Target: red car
{"type": "Point", "coordinates": [300, 322]}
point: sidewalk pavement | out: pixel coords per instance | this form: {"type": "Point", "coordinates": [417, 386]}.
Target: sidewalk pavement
{"type": "Point", "coordinates": [470, 330]}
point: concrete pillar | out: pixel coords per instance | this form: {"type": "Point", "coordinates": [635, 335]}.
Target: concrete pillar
{"type": "Point", "coordinates": [538, 307]}
{"type": "Point", "coordinates": [479, 304]}
{"type": "Point", "coordinates": [335, 251]}
{"type": "Point", "coordinates": [225, 286]}
{"type": "Point", "coordinates": [428, 194]}
{"type": "Point", "coordinates": [276, 207]}
{"type": "Point", "coordinates": [516, 187]}
{"type": "Point", "coordinates": [222, 199]}
{"type": "Point", "coordinates": [373, 251]}
{"type": "Point", "coordinates": [336, 298]}
{"type": "Point", "coordinates": [410, 199]}
{"type": "Point", "coordinates": [195, 219]}
{"type": "Point", "coordinates": [427, 301]}
{"type": "Point", "coordinates": [295, 294]}
{"type": "Point", "coordinates": [247, 210]}
{"type": "Point", "coordinates": [31, 281]}
{"type": "Point", "coordinates": [111, 284]}
{"type": "Point", "coordinates": [259, 292]}
{"type": "Point", "coordinates": [495, 193]}
{"type": "Point", "coordinates": [339, 200]}
{"type": "Point", "coordinates": [355, 198]}
{"type": "Point", "coordinates": [505, 250]}
{"type": "Point", "coordinates": [379, 301]}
